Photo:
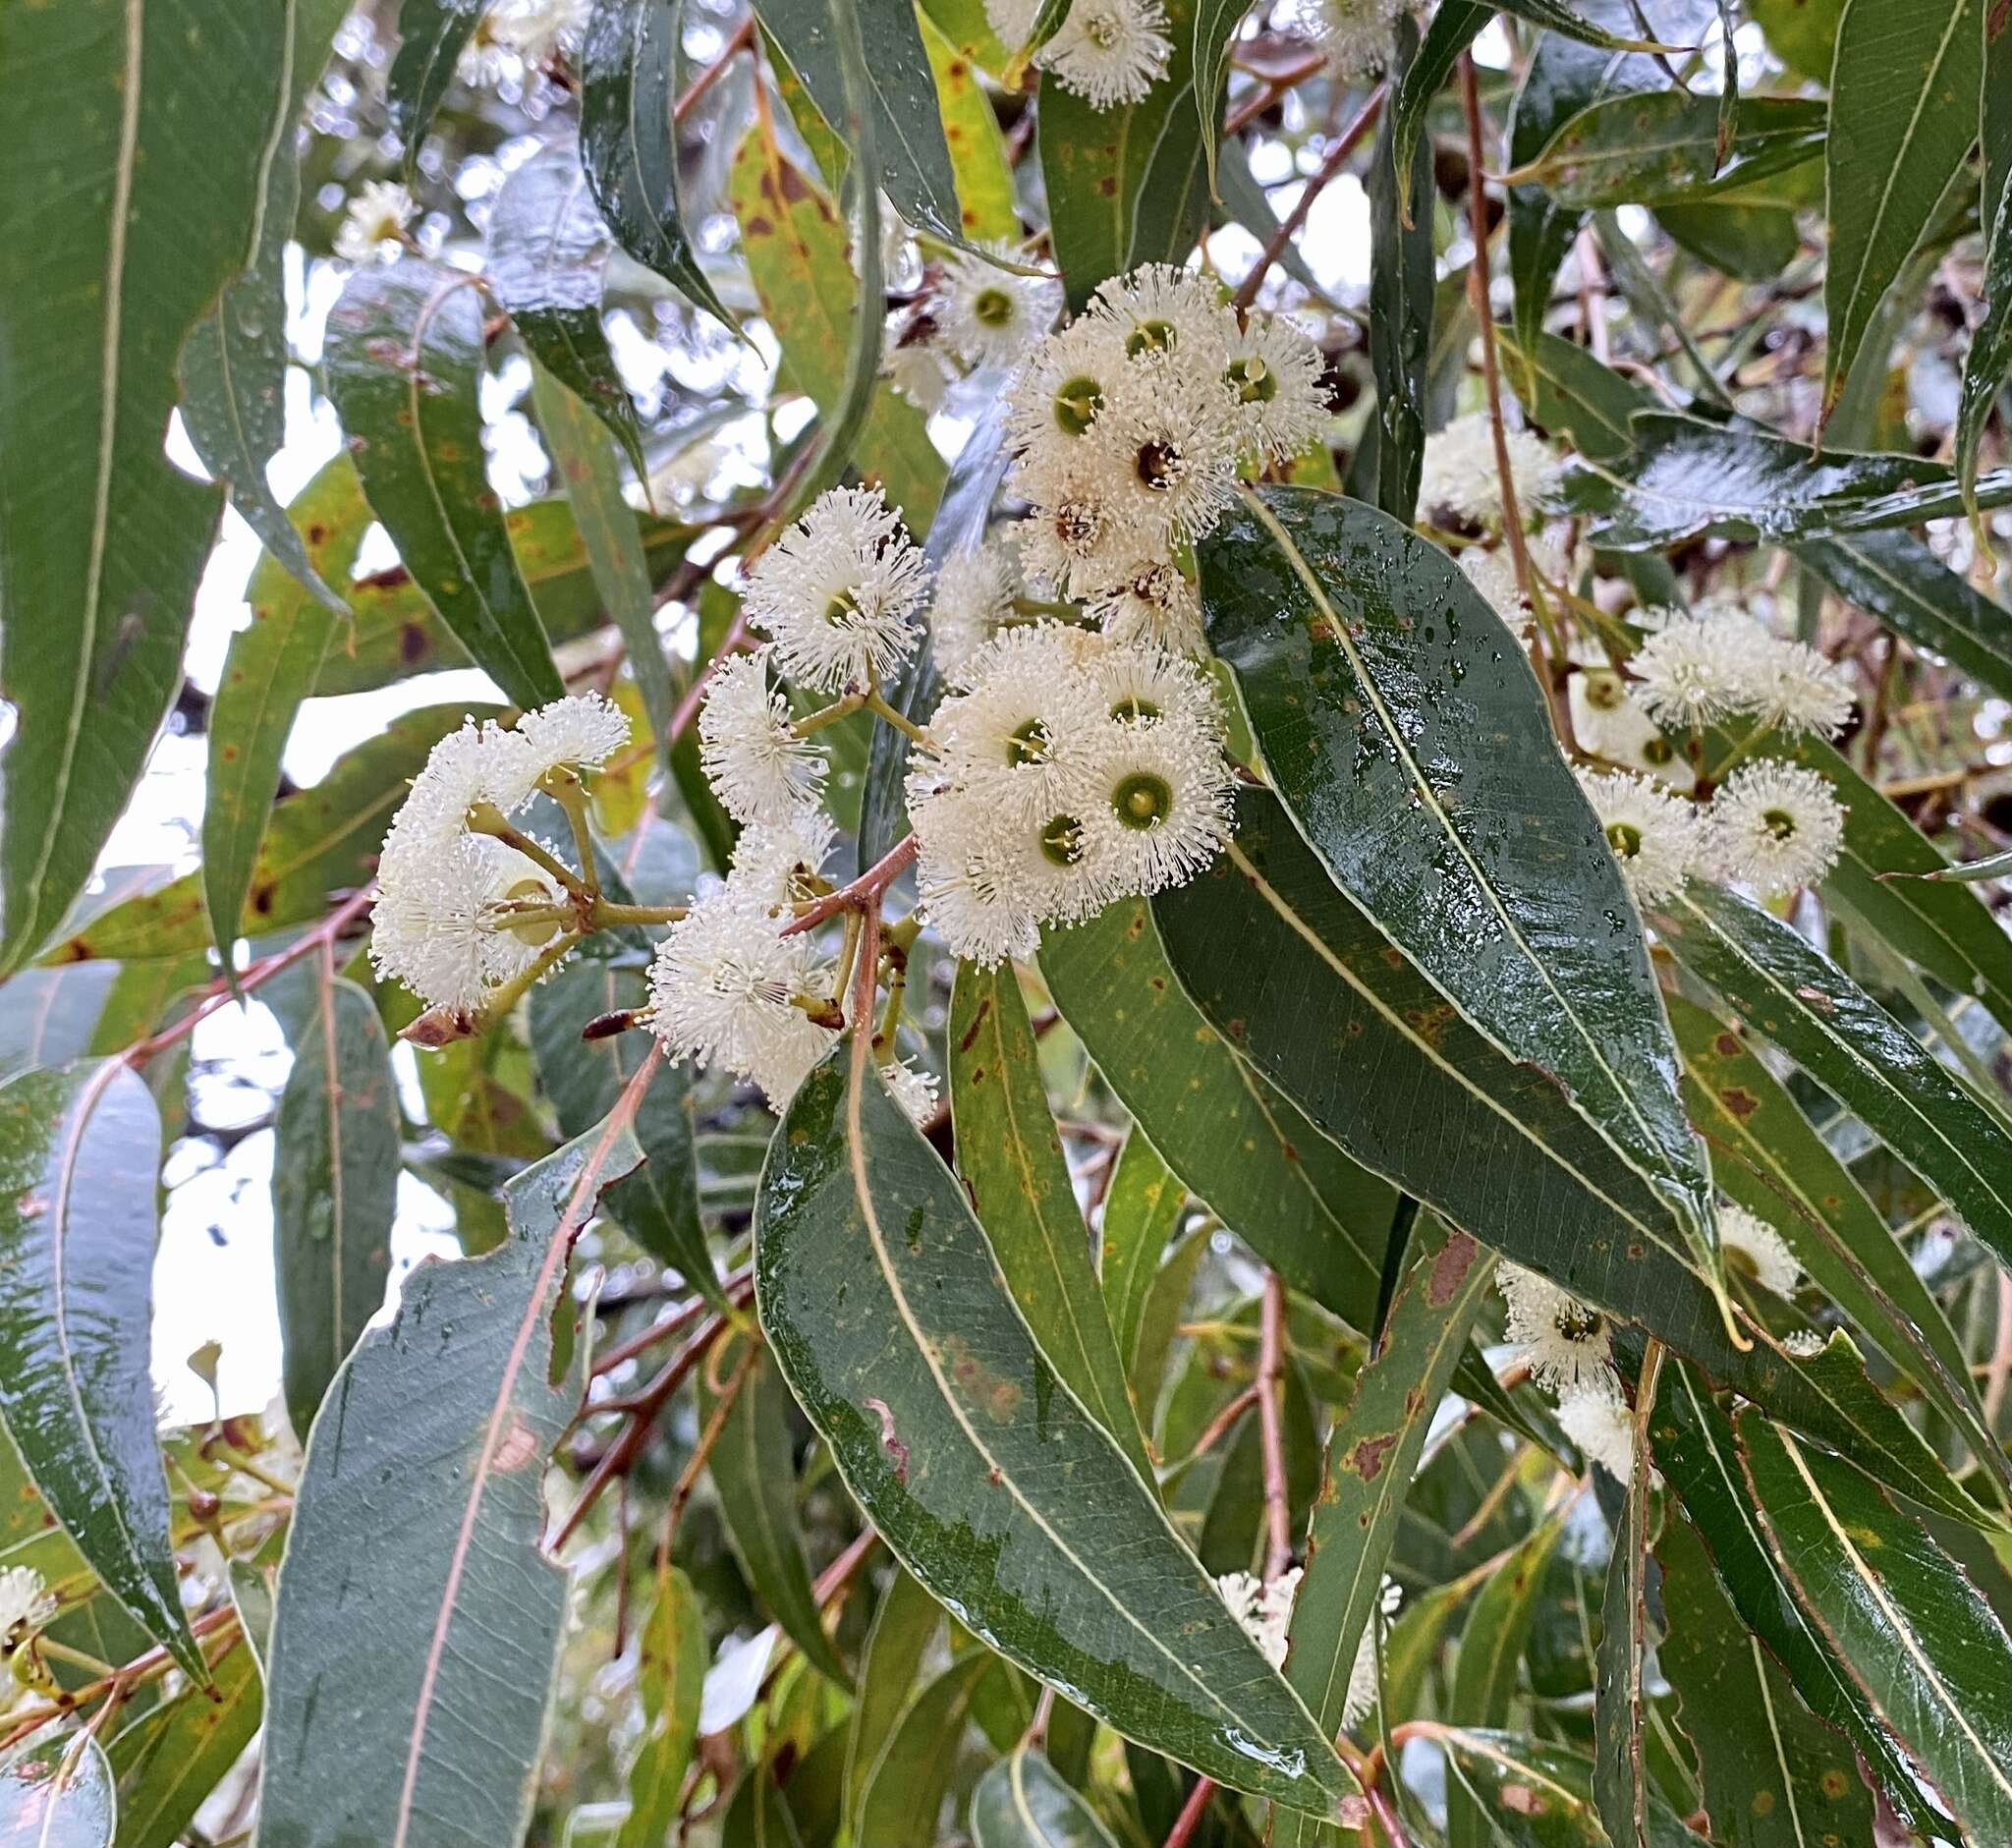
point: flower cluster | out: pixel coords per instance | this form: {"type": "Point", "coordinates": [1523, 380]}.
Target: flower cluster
{"type": "Point", "coordinates": [1109, 51]}
{"type": "Point", "coordinates": [1460, 484]}
{"type": "Point", "coordinates": [1717, 662]}
{"type": "Point", "coordinates": [373, 227]}
{"type": "Point", "coordinates": [512, 37]}
{"type": "Point", "coordinates": [470, 904]}
{"type": "Point", "coordinates": [1568, 1347]}
{"type": "Point", "coordinates": [1359, 36]}
{"type": "Point", "coordinates": [1266, 1611]}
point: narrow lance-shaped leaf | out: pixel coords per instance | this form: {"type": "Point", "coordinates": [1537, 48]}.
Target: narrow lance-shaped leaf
{"type": "Point", "coordinates": [980, 1468]}
{"type": "Point", "coordinates": [904, 1626]}
{"type": "Point", "coordinates": [548, 250]}
{"type": "Point", "coordinates": [1904, 93]}
{"type": "Point", "coordinates": [900, 1805]}
{"type": "Point", "coordinates": [1020, 1803]}
{"type": "Point", "coordinates": [1990, 359]}
{"type": "Point", "coordinates": [135, 221]}
{"type": "Point", "coordinates": [334, 1189]}
{"type": "Point", "coordinates": [1929, 1653]}
{"type": "Point", "coordinates": [432, 34]}
{"type": "Point", "coordinates": [169, 1759]}
{"type": "Point", "coordinates": [1400, 294]}
{"type": "Point", "coordinates": [1662, 148]}
{"type": "Point", "coordinates": [405, 360]}
{"type": "Point", "coordinates": [79, 1152]}
{"type": "Point", "coordinates": [1409, 740]}
{"type": "Point", "coordinates": [1535, 1794]}
{"type": "Point", "coordinates": [1009, 1158]}
{"type": "Point", "coordinates": [57, 1791]}
{"type": "Point", "coordinates": [1453, 26]}
{"type": "Point", "coordinates": [1631, 1626]}
{"type": "Point", "coordinates": [1371, 1456]}
{"type": "Point", "coordinates": [1814, 1012]}
{"type": "Point", "coordinates": [1142, 1207]}
{"type": "Point", "coordinates": [670, 1673]}
{"type": "Point", "coordinates": [417, 1524]}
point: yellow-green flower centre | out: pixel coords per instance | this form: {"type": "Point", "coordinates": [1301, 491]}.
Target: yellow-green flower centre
{"type": "Point", "coordinates": [1077, 404]}
{"type": "Point", "coordinates": [1779, 823]}
{"type": "Point", "coordinates": [992, 307]}
{"type": "Point", "coordinates": [1149, 337]}
{"type": "Point", "coordinates": [1062, 840]}
{"type": "Point", "coordinates": [1256, 382]}
{"type": "Point", "coordinates": [1032, 743]}
{"type": "Point", "coordinates": [1625, 838]}
{"type": "Point", "coordinates": [1143, 801]}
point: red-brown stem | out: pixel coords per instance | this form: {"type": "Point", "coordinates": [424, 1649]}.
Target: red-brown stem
{"type": "Point", "coordinates": [1271, 87]}
{"type": "Point", "coordinates": [1190, 1818]}
{"type": "Point", "coordinates": [1278, 1519]}
{"type": "Point", "coordinates": [1386, 1817]}
{"type": "Point", "coordinates": [1220, 1426]}
{"type": "Point", "coordinates": [687, 1476]}
{"type": "Point", "coordinates": [1344, 145]}
{"type": "Point", "coordinates": [743, 37]}
{"type": "Point", "coordinates": [738, 1288]}
{"type": "Point", "coordinates": [865, 891]}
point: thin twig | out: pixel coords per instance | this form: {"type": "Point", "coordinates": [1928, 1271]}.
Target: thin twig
{"type": "Point", "coordinates": [1190, 1818]}
{"type": "Point", "coordinates": [867, 887]}
{"type": "Point", "coordinates": [743, 35]}
{"type": "Point", "coordinates": [1344, 145]}
{"type": "Point", "coordinates": [1278, 1519]}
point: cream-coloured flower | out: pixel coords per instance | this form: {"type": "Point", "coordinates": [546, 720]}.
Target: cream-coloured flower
{"type": "Point", "coordinates": [1154, 600]}
{"type": "Point", "coordinates": [1597, 1419]}
{"type": "Point", "coordinates": [914, 1091]}
{"type": "Point", "coordinates": [1110, 51]}
{"type": "Point", "coordinates": [1274, 377]}
{"type": "Point", "coordinates": [1564, 1342]}
{"type": "Point", "coordinates": [26, 1606]}
{"type": "Point", "coordinates": [1751, 1243]}
{"type": "Point", "coordinates": [373, 229]}
{"type": "Point", "coordinates": [1159, 809]}
{"type": "Point", "coordinates": [1776, 826]}
{"type": "Point", "coordinates": [1362, 1674]}
{"type": "Point", "coordinates": [974, 599]}
{"type": "Point", "coordinates": [1265, 1610]}
{"type": "Point", "coordinates": [990, 316]}
{"type": "Point", "coordinates": [758, 767]}
{"type": "Point", "coordinates": [1460, 484]}
{"type": "Point", "coordinates": [1655, 835]}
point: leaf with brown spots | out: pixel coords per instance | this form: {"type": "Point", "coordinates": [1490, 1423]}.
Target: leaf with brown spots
{"type": "Point", "coordinates": [1535, 1794]}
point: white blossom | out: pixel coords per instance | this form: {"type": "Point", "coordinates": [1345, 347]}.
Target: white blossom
{"type": "Point", "coordinates": [1264, 1610]}
{"type": "Point", "coordinates": [539, 29]}
{"type": "Point", "coordinates": [1162, 805]}
{"type": "Point", "coordinates": [1152, 600]}
{"type": "Point", "coordinates": [1359, 36]}
{"type": "Point", "coordinates": [1762, 1249]}
{"type": "Point", "coordinates": [1776, 826]}
{"type": "Point", "coordinates": [838, 590]}
{"type": "Point", "coordinates": [1790, 685]}
{"type": "Point", "coordinates": [1655, 835]}
{"type": "Point", "coordinates": [1493, 574]}
{"type": "Point", "coordinates": [918, 367]}
{"type": "Point", "coordinates": [1609, 722]}
{"type": "Point", "coordinates": [1460, 484]}
{"type": "Point", "coordinates": [914, 1091]}
{"type": "Point", "coordinates": [1075, 537]}
{"type": "Point", "coordinates": [373, 226]}
{"type": "Point", "coordinates": [581, 732]}
{"type": "Point", "coordinates": [1110, 51]}
{"type": "Point", "coordinates": [776, 861]}
{"type": "Point", "coordinates": [1160, 310]}
{"type": "Point", "coordinates": [26, 1606]}
{"type": "Point", "coordinates": [1805, 1344]}
{"type": "Point", "coordinates": [974, 599]}
{"type": "Point", "coordinates": [1597, 1419]}
{"type": "Point", "coordinates": [1564, 1342]}
{"type": "Point", "coordinates": [1064, 383]}
{"type": "Point", "coordinates": [1141, 683]}
{"type": "Point", "coordinates": [722, 990]}
{"type": "Point", "coordinates": [990, 315]}
{"type": "Point", "coordinates": [979, 919]}
{"type": "Point", "coordinates": [1362, 1674]}
{"type": "Point", "coordinates": [1169, 440]}
{"type": "Point", "coordinates": [758, 767]}
{"type": "Point", "coordinates": [1274, 376]}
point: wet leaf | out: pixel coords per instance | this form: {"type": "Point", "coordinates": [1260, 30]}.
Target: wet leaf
{"type": "Point", "coordinates": [1631, 1627]}
{"type": "Point", "coordinates": [1929, 1652]}
{"type": "Point", "coordinates": [405, 360]}
{"type": "Point", "coordinates": [1453, 26]}
{"type": "Point", "coordinates": [904, 1626]}
{"type": "Point", "coordinates": [900, 1804]}
{"type": "Point", "coordinates": [417, 1524]}
{"type": "Point", "coordinates": [1538, 1795]}
{"type": "Point", "coordinates": [1009, 1158]}
{"type": "Point", "coordinates": [79, 1152]}
{"type": "Point", "coordinates": [432, 34]}
{"type": "Point", "coordinates": [978, 1465]}
{"type": "Point", "coordinates": [670, 1673]}
{"type": "Point", "coordinates": [1408, 738]}
{"type": "Point", "coordinates": [1143, 1209]}
{"type": "Point", "coordinates": [334, 1189]}
{"type": "Point", "coordinates": [1662, 149]}
{"type": "Point", "coordinates": [1988, 361]}
{"type": "Point", "coordinates": [1020, 1803]}
{"type": "Point", "coordinates": [1401, 299]}
{"type": "Point", "coordinates": [169, 1759]}
{"type": "Point", "coordinates": [57, 1792]}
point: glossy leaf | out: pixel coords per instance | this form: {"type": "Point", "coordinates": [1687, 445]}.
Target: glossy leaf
{"type": "Point", "coordinates": [1824, 1021]}
{"type": "Point", "coordinates": [233, 362]}
{"type": "Point", "coordinates": [1127, 185]}
{"type": "Point", "coordinates": [1694, 1447]}
{"type": "Point", "coordinates": [795, 243]}
{"type": "Point", "coordinates": [628, 69]}
{"type": "Point", "coordinates": [1539, 1795]}
{"type": "Point", "coordinates": [1988, 361]}
{"type": "Point", "coordinates": [1771, 1160]}
{"type": "Point", "coordinates": [904, 1626]}
{"type": "Point", "coordinates": [759, 1816]}
{"type": "Point", "coordinates": [977, 150]}
{"type": "Point", "coordinates": [547, 249]}
{"type": "Point", "coordinates": [135, 220]}
{"type": "Point", "coordinates": [1009, 1158]}
{"type": "Point", "coordinates": [168, 1761]}
{"type": "Point", "coordinates": [1214, 31]}
{"type": "Point", "coordinates": [417, 1524]}
{"type": "Point", "coordinates": [1774, 1777]}
{"type": "Point", "coordinates": [1904, 93]}
{"type": "Point", "coordinates": [1143, 1209]}
{"type": "Point", "coordinates": [270, 669]}
{"type": "Point", "coordinates": [1406, 736]}
{"type": "Point", "coordinates": [1929, 1653]}
{"type": "Point", "coordinates": [1802, 32]}
{"type": "Point", "coordinates": [1401, 297]}
{"type": "Point", "coordinates": [1020, 1803]}
{"type": "Point", "coordinates": [670, 1672]}
{"type": "Point", "coordinates": [1577, 22]}
{"type": "Point", "coordinates": [432, 34]}
{"type": "Point", "coordinates": [978, 1467]}
{"type": "Point", "coordinates": [1662, 148]}
{"type": "Point", "coordinates": [57, 1792]}
{"type": "Point", "coordinates": [1453, 26]}
{"type": "Point", "coordinates": [79, 1152]}
{"type": "Point", "coordinates": [899, 1806]}
{"type": "Point", "coordinates": [334, 1190]}
{"type": "Point", "coordinates": [1570, 392]}
{"type": "Point", "coordinates": [756, 1482]}
{"type": "Point", "coordinates": [1631, 1626]}
{"type": "Point", "coordinates": [405, 360]}
{"type": "Point", "coordinates": [1373, 1454]}
{"type": "Point", "coordinates": [321, 841]}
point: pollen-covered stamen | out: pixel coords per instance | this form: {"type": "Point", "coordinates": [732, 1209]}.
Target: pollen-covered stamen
{"type": "Point", "coordinates": [1160, 465]}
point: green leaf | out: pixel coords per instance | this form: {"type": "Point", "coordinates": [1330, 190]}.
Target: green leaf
{"type": "Point", "coordinates": [1990, 359]}
{"type": "Point", "coordinates": [1803, 33]}
{"type": "Point", "coordinates": [912, 157]}
{"type": "Point", "coordinates": [912, 1774]}
{"type": "Point", "coordinates": [52, 1015]}
{"type": "Point", "coordinates": [1569, 391]}
{"type": "Point", "coordinates": [1896, 578]}
{"type": "Point", "coordinates": [1020, 1803]}
{"type": "Point", "coordinates": [1454, 28]}
{"type": "Point", "coordinates": [1904, 95]}
{"type": "Point", "coordinates": [548, 250]}
{"type": "Point", "coordinates": [1768, 1158]}
{"type": "Point", "coordinates": [1694, 1447]}
{"type": "Point", "coordinates": [1491, 1645]}
{"type": "Point", "coordinates": [1371, 1456]}
{"type": "Point", "coordinates": [1774, 1777]}
{"type": "Point", "coordinates": [1214, 32]}
{"type": "Point", "coordinates": [1126, 185]}
{"type": "Point", "coordinates": [1408, 738]}
{"type": "Point", "coordinates": [628, 72]}
{"type": "Point", "coordinates": [1235, 1143]}
{"type": "Point", "coordinates": [1662, 149]}
{"type": "Point", "coordinates": [1537, 1795]}
{"type": "Point", "coordinates": [977, 150]}
{"type": "Point", "coordinates": [321, 841]}
{"type": "Point", "coordinates": [795, 243]}
{"type": "Point", "coordinates": [1009, 1158]}
{"type": "Point", "coordinates": [1631, 1627]}
{"type": "Point", "coordinates": [432, 34]}
{"type": "Point", "coordinates": [57, 1792]}
{"type": "Point", "coordinates": [417, 1524]}
{"type": "Point", "coordinates": [170, 1758]}
{"type": "Point", "coordinates": [1555, 17]}
{"type": "Point", "coordinates": [978, 1465]}
{"type": "Point", "coordinates": [136, 222]}
{"type": "Point", "coordinates": [670, 1673]}
{"type": "Point", "coordinates": [1824, 1021]}
{"type": "Point", "coordinates": [268, 671]}
{"type": "Point", "coordinates": [756, 1483]}
{"type": "Point", "coordinates": [1401, 297]}
{"type": "Point", "coordinates": [904, 1626]}
{"type": "Point", "coordinates": [1143, 1209]}
{"type": "Point", "coordinates": [659, 1204]}
{"type": "Point", "coordinates": [334, 1189]}
{"type": "Point", "coordinates": [79, 1152]}
{"type": "Point", "coordinates": [233, 362]}
{"type": "Point", "coordinates": [1753, 243]}
{"type": "Point", "coordinates": [405, 360]}
{"type": "Point", "coordinates": [1929, 1653]}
